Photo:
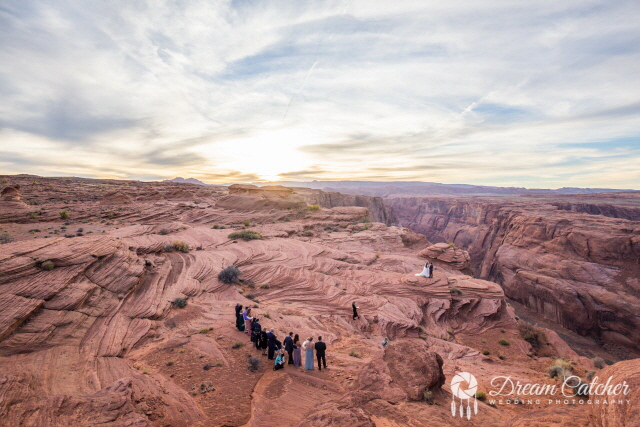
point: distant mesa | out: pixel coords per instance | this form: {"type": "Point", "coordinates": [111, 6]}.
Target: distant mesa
{"type": "Point", "coordinates": [180, 180]}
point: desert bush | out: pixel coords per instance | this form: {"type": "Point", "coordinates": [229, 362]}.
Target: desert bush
{"type": "Point", "coordinates": [254, 363]}
{"type": "Point", "coordinates": [5, 238]}
{"type": "Point", "coordinates": [33, 215]}
{"type": "Point", "coordinates": [455, 291]}
{"type": "Point", "coordinates": [365, 219]}
{"type": "Point", "coordinates": [46, 265]}
{"type": "Point", "coordinates": [267, 316]}
{"type": "Point", "coordinates": [219, 227]}
{"type": "Point", "coordinates": [486, 352]}
{"type": "Point", "coordinates": [308, 233]}
{"type": "Point", "coordinates": [237, 344]}
{"type": "Point", "coordinates": [564, 363]}
{"type": "Point", "coordinates": [481, 395]}
{"type": "Point", "coordinates": [504, 342]}
{"type": "Point", "coordinates": [265, 286]}
{"type": "Point", "coordinates": [180, 246]}
{"type": "Point", "coordinates": [246, 223]}
{"type": "Point", "coordinates": [164, 232]}
{"type": "Point", "coordinates": [63, 214]}
{"type": "Point", "coordinates": [354, 353]}
{"type": "Point", "coordinates": [245, 235]}
{"type": "Point", "coordinates": [598, 362]}
{"type": "Point", "coordinates": [250, 296]}
{"type": "Point", "coordinates": [531, 334]}
{"type": "Point", "coordinates": [427, 396]}
{"type": "Point", "coordinates": [180, 302]}
{"type": "Point", "coordinates": [559, 372]}
{"type": "Point", "coordinates": [313, 207]}
{"type": "Point", "coordinates": [170, 363]}
{"type": "Point", "coordinates": [229, 275]}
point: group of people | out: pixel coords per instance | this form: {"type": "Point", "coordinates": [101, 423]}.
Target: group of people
{"type": "Point", "coordinates": [427, 271]}
{"type": "Point", "coordinates": [272, 347]}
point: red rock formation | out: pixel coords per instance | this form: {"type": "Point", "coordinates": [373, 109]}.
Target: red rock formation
{"type": "Point", "coordinates": [449, 254]}
{"type": "Point", "coordinates": [578, 270]}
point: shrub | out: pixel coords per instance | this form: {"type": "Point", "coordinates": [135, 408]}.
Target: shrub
{"type": "Point", "coordinates": [308, 234]}
{"type": "Point", "coordinates": [532, 335]}
{"type": "Point", "coordinates": [455, 291]}
{"type": "Point", "coordinates": [504, 342]}
{"type": "Point", "coordinates": [219, 363]}
{"type": "Point", "coordinates": [354, 353]}
{"type": "Point", "coordinates": [598, 362]}
{"type": "Point", "coordinates": [564, 363]}
{"type": "Point", "coordinates": [502, 357]}
{"type": "Point", "coordinates": [265, 286]}
{"type": "Point", "coordinates": [46, 265]}
{"type": "Point", "coordinates": [427, 396]}
{"type": "Point", "coordinates": [250, 296]}
{"type": "Point", "coordinates": [481, 395]}
{"type": "Point", "coordinates": [486, 352]}
{"type": "Point", "coordinates": [245, 235]}
{"type": "Point", "coordinates": [590, 375]}
{"type": "Point", "coordinates": [219, 227]}
{"type": "Point", "coordinates": [170, 363]}
{"type": "Point", "coordinates": [237, 344]}
{"type": "Point", "coordinates": [365, 219]}
{"type": "Point", "coordinates": [313, 207]}
{"type": "Point", "coordinates": [267, 316]}
{"type": "Point", "coordinates": [5, 238]}
{"type": "Point", "coordinates": [180, 246]}
{"type": "Point", "coordinates": [556, 371]}
{"type": "Point", "coordinates": [63, 214]}
{"type": "Point", "coordinates": [203, 330]}
{"type": "Point", "coordinates": [254, 363]}
{"type": "Point", "coordinates": [33, 215]}
{"type": "Point", "coordinates": [229, 275]}
{"type": "Point", "coordinates": [246, 223]}
{"type": "Point", "coordinates": [180, 302]}
{"type": "Point", "coordinates": [502, 330]}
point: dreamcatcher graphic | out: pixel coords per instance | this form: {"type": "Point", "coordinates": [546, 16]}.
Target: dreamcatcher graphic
{"type": "Point", "coordinates": [464, 394]}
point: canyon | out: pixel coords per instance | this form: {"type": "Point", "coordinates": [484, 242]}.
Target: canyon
{"type": "Point", "coordinates": [112, 311]}
{"type": "Point", "coordinates": [575, 261]}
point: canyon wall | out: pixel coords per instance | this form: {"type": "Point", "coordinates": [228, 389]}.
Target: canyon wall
{"type": "Point", "coordinates": [577, 269]}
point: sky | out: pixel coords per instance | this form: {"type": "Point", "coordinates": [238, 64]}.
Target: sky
{"type": "Point", "coordinates": [490, 92]}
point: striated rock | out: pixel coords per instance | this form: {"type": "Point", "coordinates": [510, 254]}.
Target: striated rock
{"type": "Point", "coordinates": [378, 210]}
{"type": "Point", "coordinates": [626, 414]}
{"type": "Point", "coordinates": [454, 257]}
{"type": "Point", "coordinates": [414, 369]}
{"type": "Point", "coordinates": [116, 197]}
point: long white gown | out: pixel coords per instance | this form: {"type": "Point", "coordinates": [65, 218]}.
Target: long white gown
{"type": "Point", "coordinates": [425, 271]}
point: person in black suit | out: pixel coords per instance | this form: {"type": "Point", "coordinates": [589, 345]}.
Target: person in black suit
{"type": "Point", "coordinates": [271, 344]}
{"type": "Point", "coordinates": [355, 311]}
{"type": "Point", "coordinates": [431, 271]}
{"type": "Point", "coordinates": [320, 349]}
{"type": "Point", "coordinates": [288, 347]}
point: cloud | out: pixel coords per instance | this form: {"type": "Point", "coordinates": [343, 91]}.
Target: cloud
{"type": "Point", "coordinates": [487, 92]}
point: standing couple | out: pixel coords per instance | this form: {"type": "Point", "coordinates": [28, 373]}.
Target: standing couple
{"type": "Point", "coordinates": [427, 271]}
{"type": "Point", "coordinates": [320, 347]}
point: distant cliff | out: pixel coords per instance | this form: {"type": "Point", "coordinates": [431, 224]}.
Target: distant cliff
{"type": "Point", "coordinates": [577, 269]}
{"type": "Point", "coordinates": [378, 210]}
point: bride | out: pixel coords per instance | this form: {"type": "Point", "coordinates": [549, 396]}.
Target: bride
{"type": "Point", "coordinates": [425, 271]}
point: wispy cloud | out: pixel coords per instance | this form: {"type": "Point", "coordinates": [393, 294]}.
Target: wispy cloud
{"type": "Point", "coordinates": [487, 92]}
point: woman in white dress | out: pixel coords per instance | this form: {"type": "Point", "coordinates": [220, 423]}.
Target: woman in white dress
{"type": "Point", "coordinates": [425, 271]}
{"type": "Point", "coordinates": [308, 346]}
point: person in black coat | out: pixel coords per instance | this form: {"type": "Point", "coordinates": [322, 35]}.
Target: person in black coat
{"type": "Point", "coordinates": [271, 344]}
{"type": "Point", "coordinates": [239, 318]}
{"type": "Point", "coordinates": [320, 355]}
{"type": "Point", "coordinates": [256, 328]}
{"type": "Point", "coordinates": [264, 341]}
{"type": "Point", "coordinates": [431, 271]}
{"type": "Point", "coordinates": [288, 347]}
{"type": "Point", "coordinates": [355, 311]}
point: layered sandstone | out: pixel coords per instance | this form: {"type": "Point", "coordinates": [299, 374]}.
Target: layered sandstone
{"type": "Point", "coordinates": [577, 269]}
